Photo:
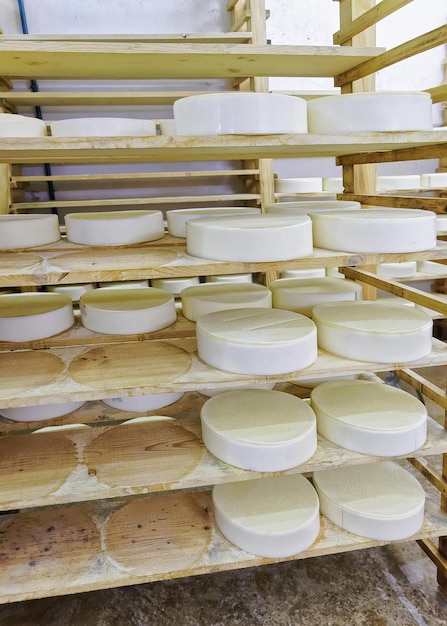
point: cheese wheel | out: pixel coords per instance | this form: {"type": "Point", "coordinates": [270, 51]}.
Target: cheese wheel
{"type": "Point", "coordinates": [273, 517]}
{"type": "Point", "coordinates": [431, 267]}
{"type": "Point", "coordinates": [124, 284]}
{"type": "Point", "coordinates": [114, 228]}
{"type": "Point", "coordinates": [149, 402]}
{"type": "Point", "coordinates": [74, 291]}
{"type": "Point", "coordinates": [29, 316]}
{"type": "Point", "coordinates": [103, 127]}
{"type": "Point", "coordinates": [175, 285]}
{"type": "Point", "coordinates": [333, 183]}
{"type": "Point", "coordinates": [390, 183]}
{"type": "Point", "coordinates": [369, 417]}
{"type": "Point", "coordinates": [314, 272]}
{"type": "Point", "coordinates": [211, 297]}
{"type": "Point", "coordinates": [298, 185]}
{"type": "Point", "coordinates": [374, 111]}
{"type": "Point", "coordinates": [230, 278]}
{"type": "Point", "coordinates": [311, 206]}
{"type": "Point", "coordinates": [127, 311]}
{"type": "Point", "coordinates": [177, 218]}
{"type": "Point", "coordinates": [12, 125]}
{"type": "Point", "coordinates": [375, 230]}
{"type": "Point", "coordinates": [28, 231]}
{"type": "Point", "coordinates": [405, 269]}
{"type": "Point", "coordinates": [301, 295]}
{"type": "Point", "coordinates": [372, 331]}
{"type": "Point", "coordinates": [384, 502]}
{"type": "Point", "coordinates": [40, 412]}
{"type": "Point", "coordinates": [215, 391]}
{"type": "Point", "coordinates": [259, 430]}
{"type": "Point", "coordinates": [256, 341]}
{"type": "Point", "coordinates": [250, 238]}
{"type": "Point", "coordinates": [240, 113]}
{"type": "Point", "coordinates": [167, 127]}
{"type": "Point", "coordinates": [434, 180]}
{"type": "Point", "coordinates": [441, 224]}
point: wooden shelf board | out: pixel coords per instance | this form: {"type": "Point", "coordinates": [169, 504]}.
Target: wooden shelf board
{"type": "Point", "coordinates": [164, 38]}
{"type": "Point", "coordinates": [156, 366]}
{"type": "Point", "coordinates": [210, 147]}
{"type": "Point", "coordinates": [84, 59]}
{"type": "Point", "coordinates": [65, 263]}
{"type": "Point", "coordinates": [91, 546]}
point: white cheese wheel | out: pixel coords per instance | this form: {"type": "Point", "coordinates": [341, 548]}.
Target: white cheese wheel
{"type": "Point", "coordinates": [114, 228]}
{"type": "Point", "coordinates": [434, 181]}
{"type": "Point", "coordinates": [383, 502]}
{"type": "Point", "coordinates": [441, 224]}
{"type": "Point", "coordinates": [167, 127]}
{"type": "Point", "coordinates": [390, 183]}
{"type": "Point", "coordinates": [301, 295]}
{"type": "Point", "coordinates": [29, 316]}
{"type": "Point", "coordinates": [369, 417]}
{"type": "Point", "coordinates": [250, 238]}
{"type": "Point", "coordinates": [259, 430]}
{"type": "Point", "coordinates": [375, 230]}
{"type": "Point", "coordinates": [333, 272]}
{"type": "Point", "coordinates": [40, 412]}
{"type": "Point", "coordinates": [314, 272]}
{"type": "Point", "coordinates": [215, 391]}
{"type": "Point", "coordinates": [74, 291]}
{"type": "Point", "coordinates": [230, 278]}
{"type": "Point", "coordinates": [273, 517]}
{"type": "Point", "coordinates": [175, 285]}
{"type": "Point", "coordinates": [311, 206]}
{"type": "Point", "coordinates": [240, 113]}
{"type": "Point", "coordinates": [103, 127]}
{"type": "Point", "coordinates": [128, 311]}
{"type": "Point", "coordinates": [211, 297]}
{"type": "Point", "coordinates": [257, 341]}
{"type": "Point", "coordinates": [372, 331]}
{"type": "Point", "coordinates": [387, 298]}
{"type": "Point", "coordinates": [124, 284]}
{"type": "Point", "coordinates": [431, 267]}
{"type": "Point", "coordinates": [405, 269]}
{"type": "Point", "coordinates": [12, 125]}
{"type": "Point", "coordinates": [177, 218]}
{"type": "Point", "coordinates": [28, 231]}
{"type": "Point", "coordinates": [374, 111]}
{"type": "Point", "coordinates": [149, 402]}
{"type": "Point", "coordinates": [298, 185]}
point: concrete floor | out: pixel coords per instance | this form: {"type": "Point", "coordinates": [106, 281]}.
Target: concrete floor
{"type": "Point", "coordinates": [392, 585]}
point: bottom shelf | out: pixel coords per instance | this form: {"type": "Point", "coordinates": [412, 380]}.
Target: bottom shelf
{"type": "Point", "coordinates": [78, 548]}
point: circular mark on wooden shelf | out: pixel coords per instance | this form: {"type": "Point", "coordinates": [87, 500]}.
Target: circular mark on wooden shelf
{"type": "Point", "coordinates": [45, 550]}
{"type": "Point", "coordinates": [126, 365]}
{"type": "Point", "coordinates": [14, 261]}
{"type": "Point", "coordinates": [153, 453]}
{"type": "Point", "coordinates": [33, 467]}
{"type": "Point", "coordinates": [114, 259]}
{"type": "Point", "coordinates": [21, 372]}
{"type": "Point", "coordinates": [159, 535]}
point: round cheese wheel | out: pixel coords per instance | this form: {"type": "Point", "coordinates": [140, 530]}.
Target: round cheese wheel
{"type": "Point", "coordinates": [177, 218]}
{"type": "Point", "coordinates": [314, 272]}
{"type": "Point", "coordinates": [372, 331]}
{"type": "Point", "coordinates": [434, 180]}
{"type": "Point", "coordinates": [215, 391]}
{"type": "Point", "coordinates": [405, 269]}
{"type": "Point", "coordinates": [124, 284]}
{"type": "Point", "coordinates": [301, 295]}
{"type": "Point", "coordinates": [250, 238]}
{"type": "Point", "coordinates": [311, 206]}
{"type": "Point", "coordinates": [441, 224]}
{"type": "Point", "coordinates": [259, 430]}
{"type": "Point", "coordinates": [29, 316]}
{"type": "Point", "coordinates": [273, 517]}
{"type": "Point", "coordinates": [167, 127]}
{"type": "Point", "coordinates": [375, 230]}
{"type": "Point", "coordinates": [127, 311]}
{"type": "Point", "coordinates": [40, 412]}
{"type": "Point", "coordinates": [373, 111]}
{"type": "Point", "coordinates": [230, 278]}
{"type": "Point", "coordinates": [74, 291]}
{"type": "Point", "coordinates": [298, 185]}
{"type": "Point", "coordinates": [28, 231]}
{"type": "Point", "coordinates": [175, 285]}
{"type": "Point", "coordinates": [369, 417]}
{"type": "Point", "coordinates": [211, 297]}
{"type": "Point", "coordinates": [390, 183]}
{"type": "Point", "coordinates": [431, 267]}
{"type": "Point", "coordinates": [114, 228]}
{"type": "Point", "coordinates": [12, 125]}
{"type": "Point", "coordinates": [334, 183]}
{"type": "Point", "coordinates": [240, 113]}
{"type": "Point", "coordinates": [103, 127]}
{"type": "Point", "coordinates": [256, 341]}
{"type": "Point", "coordinates": [149, 402]}
{"type": "Point", "coordinates": [384, 502]}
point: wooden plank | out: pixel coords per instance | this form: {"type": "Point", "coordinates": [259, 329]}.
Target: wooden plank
{"type": "Point", "coordinates": [139, 368]}
{"type": "Point", "coordinates": [218, 147]}
{"type": "Point", "coordinates": [161, 38]}
{"type": "Point", "coordinates": [438, 94]}
{"type": "Point", "coordinates": [367, 19]}
{"type": "Point", "coordinates": [437, 205]}
{"type": "Point", "coordinates": [431, 474]}
{"type": "Point", "coordinates": [434, 554]}
{"type": "Point", "coordinates": [409, 153]}
{"type": "Point", "coordinates": [423, 386]}
{"type": "Point", "coordinates": [85, 60]}
{"type": "Point", "coordinates": [76, 465]}
{"type": "Point", "coordinates": [102, 545]}
{"type": "Point", "coordinates": [419, 44]}
{"type": "Point", "coordinates": [5, 189]}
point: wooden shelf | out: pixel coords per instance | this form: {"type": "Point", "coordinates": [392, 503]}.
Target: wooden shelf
{"type": "Point", "coordinates": [65, 263]}
{"type": "Point", "coordinates": [83, 59]}
{"type": "Point", "coordinates": [91, 546]}
{"type": "Point", "coordinates": [205, 148]}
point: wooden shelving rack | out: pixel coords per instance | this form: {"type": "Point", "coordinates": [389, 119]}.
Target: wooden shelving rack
{"type": "Point", "coordinates": [72, 521]}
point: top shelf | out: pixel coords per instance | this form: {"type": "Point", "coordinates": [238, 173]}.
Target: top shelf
{"type": "Point", "coordinates": [76, 58]}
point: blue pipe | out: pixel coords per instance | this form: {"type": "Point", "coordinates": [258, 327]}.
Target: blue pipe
{"type": "Point", "coordinates": [37, 109]}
